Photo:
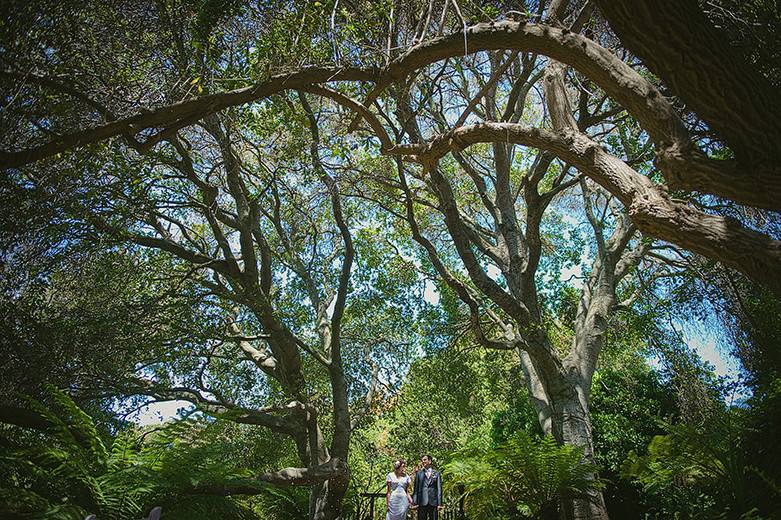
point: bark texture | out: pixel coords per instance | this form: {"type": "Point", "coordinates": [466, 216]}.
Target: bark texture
{"type": "Point", "coordinates": [679, 44]}
{"type": "Point", "coordinates": [653, 210]}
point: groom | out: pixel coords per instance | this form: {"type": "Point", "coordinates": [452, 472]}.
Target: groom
{"type": "Point", "coordinates": [427, 494]}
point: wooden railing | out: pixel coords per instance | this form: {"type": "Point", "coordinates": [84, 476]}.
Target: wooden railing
{"type": "Point", "coordinates": [371, 506]}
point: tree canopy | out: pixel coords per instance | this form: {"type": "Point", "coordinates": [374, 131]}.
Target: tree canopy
{"type": "Point", "coordinates": [298, 216]}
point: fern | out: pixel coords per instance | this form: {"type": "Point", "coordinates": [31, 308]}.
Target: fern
{"type": "Point", "coordinates": [67, 471]}
{"type": "Point", "coordinates": [70, 471]}
{"type": "Point", "coordinates": [702, 462]}
{"type": "Point", "coordinates": [521, 477]}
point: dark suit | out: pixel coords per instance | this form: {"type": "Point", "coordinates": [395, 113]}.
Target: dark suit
{"type": "Point", "coordinates": [427, 494]}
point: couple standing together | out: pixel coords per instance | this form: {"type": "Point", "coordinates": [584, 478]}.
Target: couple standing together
{"type": "Point", "coordinates": [426, 496]}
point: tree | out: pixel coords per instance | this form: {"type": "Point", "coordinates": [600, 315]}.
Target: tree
{"type": "Point", "coordinates": [269, 259]}
{"type": "Point", "coordinates": [186, 175]}
{"type": "Point", "coordinates": [270, 286]}
{"type": "Point", "coordinates": [652, 210]}
{"type": "Point", "coordinates": [264, 308]}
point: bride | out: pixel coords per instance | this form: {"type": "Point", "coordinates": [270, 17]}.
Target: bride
{"type": "Point", "coordinates": [398, 496]}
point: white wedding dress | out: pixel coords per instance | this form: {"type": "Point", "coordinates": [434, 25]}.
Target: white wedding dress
{"type": "Point", "coordinates": [399, 503]}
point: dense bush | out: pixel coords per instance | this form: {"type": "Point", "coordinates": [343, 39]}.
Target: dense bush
{"type": "Point", "coordinates": [525, 476]}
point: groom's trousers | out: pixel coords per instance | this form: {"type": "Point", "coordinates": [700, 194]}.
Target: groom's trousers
{"type": "Point", "coordinates": [428, 513]}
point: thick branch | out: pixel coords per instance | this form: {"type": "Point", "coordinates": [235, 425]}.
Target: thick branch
{"type": "Point", "coordinates": [679, 44]}
{"type": "Point", "coordinates": [184, 110]}
{"type": "Point", "coordinates": [613, 75]}
{"type": "Point", "coordinates": [227, 411]}
{"type": "Point", "coordinates": [652, 210]}
{"type": "Point", "coordinates": [334, 468]}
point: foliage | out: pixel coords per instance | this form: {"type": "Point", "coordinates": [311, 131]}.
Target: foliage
{"type": "Point", "coordinates": [525, 475]}
{"type": "Point", "coordinates": [444, 399]}
{"type": "Point", "coordinates": [701, 471]}
{"type": "Point", "coordinates": [763, 454]}
{"type": "Point", "coordinates": [629, 404]}
{"type": "Point", "coordinates": [282, 504]}
{"type": "Point", "coordinates": [70, 471]}
{"type": "Point", "coordinates": [87, 323]}
{"type": "Point", "coordinates": [87, 304]}
{"type": "Point", "coordinates": [627, 411]}
{"type": "Point", "coordinates": [750, 317]}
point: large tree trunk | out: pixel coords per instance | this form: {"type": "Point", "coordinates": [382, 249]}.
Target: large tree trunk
{"type": "Point", "coordinates": [325, 500]}
{"type": "Point", "coordinates": [561, 399]}
{"type": "Point", "coordinates": [562, 408]}
{"type": "Point", "coordinates": [572, 426]}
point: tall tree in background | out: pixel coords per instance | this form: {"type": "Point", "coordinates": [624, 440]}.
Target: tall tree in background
{"type": "Point", "coordinates": [265, 249]}
{"type": "Point", "coordinates": [252, 220]}
{"type": "Point", "coordinates": [160, 113]}
{"type": "Point", "coordinates": [494, 205]}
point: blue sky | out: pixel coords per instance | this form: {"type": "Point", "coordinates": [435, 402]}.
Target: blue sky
{"type": "Point", "coordinates": [702, 338]}
{"type": "Point", "coordinates": [706, 345]}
